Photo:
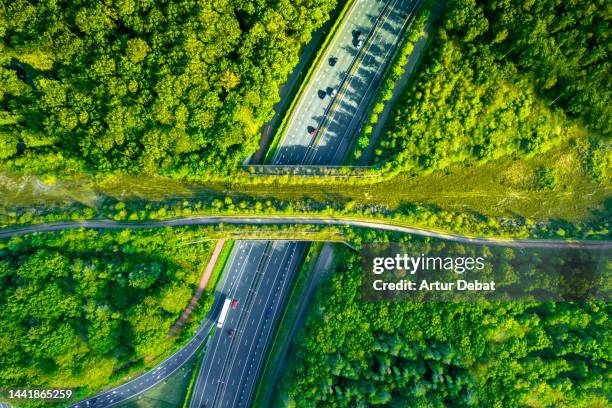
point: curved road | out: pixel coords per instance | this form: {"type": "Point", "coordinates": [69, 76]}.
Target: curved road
{"type": "Point", "coordinates": [302, 220]}
{"type": "Point", "coordinates": [331, 147]}
{"type": "Point", "coordinates": [238, 273]}
{"type": "Point", "coordinates": [166, 368]}
{"type": "Point", "coordinates": [159, 373]}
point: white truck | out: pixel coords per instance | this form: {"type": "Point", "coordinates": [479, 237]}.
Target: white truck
{"type": "Point", "coordinates": [224, 310]}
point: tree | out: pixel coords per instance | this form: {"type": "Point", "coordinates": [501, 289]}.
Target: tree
{"type": "Point", "coordinates": [174, 298]}
{"type": "Point", "coordinates": [173, 87]}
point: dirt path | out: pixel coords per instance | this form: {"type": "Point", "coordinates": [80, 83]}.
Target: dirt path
{"type": "Point", "coordinates": [198, 293]}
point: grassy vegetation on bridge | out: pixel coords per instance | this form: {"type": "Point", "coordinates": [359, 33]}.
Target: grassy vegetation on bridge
{"type": "Point", "coordinates": [552, 186]}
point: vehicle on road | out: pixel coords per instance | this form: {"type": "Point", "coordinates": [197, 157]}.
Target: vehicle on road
{"type": "Point", "coordinates": [223, 314]}
{"type": "Point", "coordinates": [231, 332]}
{"type": "Point", "coordinates": [313, 132]}
{"type": "Point", "coordinates": [334, 92]}
{"type": "Point", "coordinates": [234, 304]}
{"type": "Point", "coordinates": [357, 40]}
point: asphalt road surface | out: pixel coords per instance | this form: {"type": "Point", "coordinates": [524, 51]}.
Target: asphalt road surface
{"type": "Point", "coordinates": [149, 379]}
{"type": "Point", "coordinates": [322, 127]}
{"type": "Point", "coordinates": [261, 275]}
{"type": "Point", "coordinates": [231, 279]}
{"type": "Point", "coordinates": [306, 220]}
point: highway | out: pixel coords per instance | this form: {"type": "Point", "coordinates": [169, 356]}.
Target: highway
{"type": "Point", "coordinates": [323, 125]}
{"type": "Point", "coordinates": [245, 255]}
{"type": "Point", "coordinates": [258, 274]}
{"type": "Point", "coordinates": [374, 24]}
{"type": "Point", "coordinates": [229, 372]}
{"type": "Point", "coordinates": [321, 131]}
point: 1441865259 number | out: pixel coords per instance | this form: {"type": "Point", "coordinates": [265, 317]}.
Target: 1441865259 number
{"type": "Point", "coordinates": [38, 394]}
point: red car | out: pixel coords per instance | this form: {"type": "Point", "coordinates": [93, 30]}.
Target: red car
{"type": "Point", "coordinates": [314, 132]}
{"type": "Point", "coordinates": [234, 303]}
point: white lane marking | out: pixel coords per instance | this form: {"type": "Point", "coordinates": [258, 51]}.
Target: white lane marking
{"type": "Point", "coordinates": [277, 294]}
{"type": "Point", "coordinates": [375, 75]}
{"type": "Point", "coordinates": [242, 247]}
{"type": "Point", "coordinates": [279, 259]}
{"type": "Point", "coordinates": [347, 19]}
{"type": "Point", "coordinates": [291, 249]}
{"type": "Point", "coordinates": [146, 377]}
{"type": "Point", "coordinates": [266, 258]}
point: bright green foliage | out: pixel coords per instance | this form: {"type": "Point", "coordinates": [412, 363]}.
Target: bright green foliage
{"type": "Point", "coordinates": [505, 77]}
{"type": "Point", "coordinates": [180, 86]}
{"type": "Point", "coordinates": [410, 354]}
{"type": "Point", "coordinates": [79, 305]}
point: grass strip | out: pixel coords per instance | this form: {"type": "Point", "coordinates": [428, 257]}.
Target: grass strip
{"type": "Point", "coordinates": [276, 357]}
{"type": "Point", "coordinates": [220, 265]}
{"type": "Point", "coordinates": [194, 375]}
{"type": "Point", "coordinates": [282, 129]}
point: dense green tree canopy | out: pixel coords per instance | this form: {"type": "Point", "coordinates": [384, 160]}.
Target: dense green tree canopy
{"type": "Point", "coordinates": [506, 77]}
{"type": "Point", "coordinates": [177, 85]}
{"type": "Point", "coordinates": [78, 307]}
{"type": "Point", "coordinates": [353, 353]}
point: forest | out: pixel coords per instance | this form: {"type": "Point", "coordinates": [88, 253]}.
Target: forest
{"type": "Point", "coordinates": [172, 86]}
{"type": "Point", "coordinates": [353, 353]}
{"type": "Point", "coordinates": [503, 78]}
{"type": "Point", "coordinates": [85, 308]}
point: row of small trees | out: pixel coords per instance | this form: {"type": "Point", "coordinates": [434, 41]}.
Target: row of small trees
{"type": "Point", "coordinates": [407, 214]}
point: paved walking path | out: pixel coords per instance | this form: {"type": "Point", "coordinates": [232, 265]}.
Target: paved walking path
{"type": "Point", "coordinates": [380, 224]}
{"type": "Point", "coordinates": [198, 293]}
